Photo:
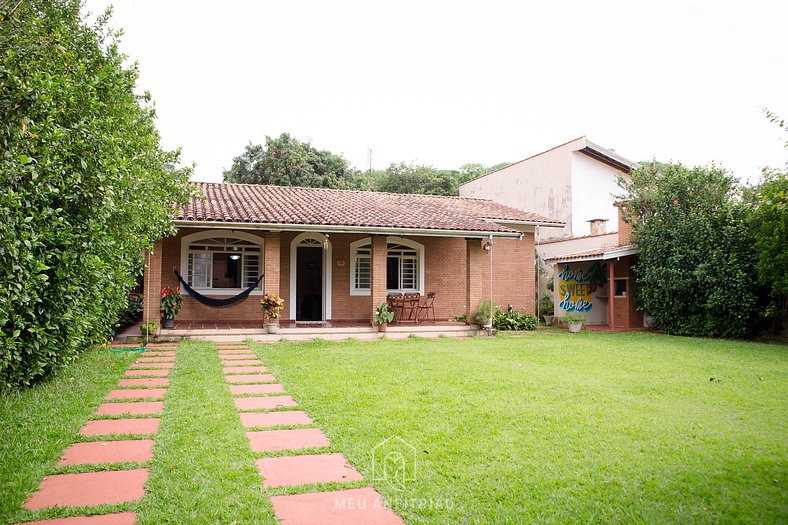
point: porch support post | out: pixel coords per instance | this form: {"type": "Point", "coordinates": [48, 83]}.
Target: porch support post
{"type": "Point", "coordinates": [378, 277]}
{"type": "Point", "coordinates": [271, 262]}
{"type": "Point", "coordinates": [611, 294]}
{"type": "Point", "coordinates": [151, 301]}
{"type": "Point", "coordinates": [473, 276]}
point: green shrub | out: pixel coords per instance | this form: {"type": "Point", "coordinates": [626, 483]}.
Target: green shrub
{"type": "Point", "coordinates": [511, 319]}
{"type": "Point", "coordinates": [483, 313]}
{"type": "Point", "coordinates": [131, 313]}
{"type": "Point", "coordinates": [546, 306]}
{"type": "Point", "coordinates": [85, 185]}
{"type": "Point", "coordinates": [573, 318]}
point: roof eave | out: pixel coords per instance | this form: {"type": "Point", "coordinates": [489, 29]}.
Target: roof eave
{"type": "Point", "coordinates": [369, 230]}
{"type": "Point", "coordinates": [601, 257]}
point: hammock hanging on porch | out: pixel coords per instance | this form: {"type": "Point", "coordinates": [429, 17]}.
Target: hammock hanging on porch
{"type": "Point", "coordinates": [210, 301]}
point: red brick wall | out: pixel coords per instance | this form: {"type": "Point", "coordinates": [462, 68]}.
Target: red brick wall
{"type": "Point", "coordinates": [445, 273]}
{"type": "Point", "coordinates": [625, 235]}
{"type": "Point", "coordinates": [626, 313]}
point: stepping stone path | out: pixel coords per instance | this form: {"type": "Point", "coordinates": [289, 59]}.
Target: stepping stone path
{"type": "Point", "coordinates": [261, 392]}
{"type": "Point", "coordinates": [127, 438]}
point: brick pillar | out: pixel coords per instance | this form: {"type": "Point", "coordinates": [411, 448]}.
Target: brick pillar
{"type": "Point", "coordinates": [271, 264]}
{"type": "Point", "coordinates": [151, 300]}
{"type": "Point", "coordinates": [378, 277]}
{"type": "Point", "coordinates": [473, 276]}
{"type": "Point", "coordinates": [611, 293]}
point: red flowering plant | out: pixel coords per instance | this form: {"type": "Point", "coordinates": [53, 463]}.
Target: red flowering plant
{"type": "Point", "coordinates": [272, 305]}
{"type": "Point", "coordinates": [171, 302]}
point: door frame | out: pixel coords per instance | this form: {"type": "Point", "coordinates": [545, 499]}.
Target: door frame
{"type": "Point", "coordinates": [327, 259]}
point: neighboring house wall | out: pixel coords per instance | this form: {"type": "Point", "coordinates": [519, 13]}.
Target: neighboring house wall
{"type": "Point", "coordinates": [445, 272]}
{"type": "Point", "coordinates": [540, 184]}
{"type": "Point", "coordinates": [593, 186]}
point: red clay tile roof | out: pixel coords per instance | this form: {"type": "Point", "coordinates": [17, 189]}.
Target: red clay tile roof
{"type": "Point", "coordinates": [597, 253]}
{"type": "Point", "coordinates": [283, 205]}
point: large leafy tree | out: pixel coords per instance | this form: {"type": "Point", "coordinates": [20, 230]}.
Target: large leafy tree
{"type": "Point", "coordinates": [84, 184]}
{"type": "Point", "coordinates": [286, 161]}
{"type": "Point", "coordinates": [426, 180]}
{"type": "Point", "coordinates": [696, 258]}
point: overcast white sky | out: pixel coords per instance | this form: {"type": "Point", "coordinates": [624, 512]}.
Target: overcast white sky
{"type": "Point", "coordinates": [449, 83]}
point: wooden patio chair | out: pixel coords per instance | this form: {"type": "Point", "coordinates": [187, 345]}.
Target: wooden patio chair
{"type": "Point", "coordinates": [427, 307]}
{"type": "Point", "coordinates": [410, 305]}
{"type": "Point", "coordinates": [394, 300]}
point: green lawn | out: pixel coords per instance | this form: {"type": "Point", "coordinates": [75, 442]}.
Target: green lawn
{"type": "Point", "coordinates": [542, 428]}
{"type": "Point", "coordinates": [557, 428]}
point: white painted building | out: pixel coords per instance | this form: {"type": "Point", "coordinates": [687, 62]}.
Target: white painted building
{"type": "Point", "coordinates": [574, 182]}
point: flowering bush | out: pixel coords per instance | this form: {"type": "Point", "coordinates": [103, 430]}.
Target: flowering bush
{"type": "Point", "coordinates": [272, 304]}
{"type": "Point", "coordinates": [171, 302]}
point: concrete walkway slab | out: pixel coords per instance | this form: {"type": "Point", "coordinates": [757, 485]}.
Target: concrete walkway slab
{"type": "Point", "coordinates": [269, 440]}
{"type": "Point", "coordinates": [123, 518]}
{"type": "Point", "coordinates": [137, 393]}
{"type": "Point", "coordinates": [159, 366]}
{"type": "Point", "coordinates": [98, 452]}
{"type": "Point", "coordinates": [342, 507]}
{"type": "Point", "coordinates": [164, 359]}
{"type": "Point", "coordinates": [242, 362]}
{"type": "Point", "coordinates": [267, 402]}
{"type": "Point", "coordinates": [136, 408]}
{"type": "Point", "coordinates": [159, 353]}
{"type": "Point", "coordinates": [302, 470]}
{"type": "Point", "coordinates": [147, 373]}
{"type": "Point", "coordinates": [239, 351]}
{"type": "Point", "coordinates": [268, 388]}
{"type": "Point", "coordinates": [144, 382]}
{"type": "Point", "coordinates": [101, 427]}
{"type": "Point", "coordinates": [272, 419]}
{"type": "Point", "coordinates": [244, 369]}
{"type": "Point", "coordinates": [256, 378]}
{"type": "Point", "coordinates": [91, 488]}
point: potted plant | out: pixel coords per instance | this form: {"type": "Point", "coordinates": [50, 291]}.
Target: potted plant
{"type": "Point", "coordinates": [272, 305]}
{"type": "Point", "coordinates": [546, 307]}
{"type": "Point", "coordinates": [171, 303]}
{"type": "Point", "coordinates": [574, 321]}
{"type": "Point", "coordinates": [383, 316]}
{"type": "Point", "coordinates": [148, 328]}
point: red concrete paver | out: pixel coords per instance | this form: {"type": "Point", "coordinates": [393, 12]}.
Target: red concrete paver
{"type": "Point", "coordinates": [162, 353]}
{"type": "Point", "coordinates": [268, 440]}
{"type": "Point", "coordinates": [145, 382]}
{"type": "Point", "coordinates": [97, 452]}
{"type": "Point", "coordinates": [101, 427]}
{"type": "Point", "coordinates": [241, 362]}
{"type": "Point", "coordinates": [269, 388]}
{"type": "Point", "coordinates": [271, 419]}
{"type": "Point", "coordinates": [267, 402]}
{"type": "Point", "coordinates": [256, 378]}
{"type": "Point", "coordinates": [143, 373]}
{"type": "Point", "coordinates": [240, 351]}
{"type": "Point", "coordinates": [302, 470]}
{"type": "Point", "coordinates": [136, 408]}
{"type": "Point", "coordinates": [123, 518]}
{"type": "Point", "coordinates": [341, 507]}
{"type": "Point", "coordinates": [160, 366]}
{"type": "Point", "coordinates": [156, 359]}
{"type": "Point", "coordinates": [137, 393]}
{"type": "Point", "coordinates": [244, 369]}
{"type": "Point", "coordinates": [91, 488]}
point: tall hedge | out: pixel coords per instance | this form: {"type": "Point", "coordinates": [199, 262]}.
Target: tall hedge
{"type": "Point", "coordinates": [696, 263]}
{"type": "Point", "coordinates": [84, 184]}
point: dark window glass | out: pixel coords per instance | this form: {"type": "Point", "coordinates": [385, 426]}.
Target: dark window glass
{"type": "Point", "coordinates": [226, 272]}
{"type": "Point", "coordinates": [392, 273]}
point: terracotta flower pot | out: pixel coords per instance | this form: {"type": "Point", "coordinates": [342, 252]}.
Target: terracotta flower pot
{"type": "Point", "coordinates": [382, 327]}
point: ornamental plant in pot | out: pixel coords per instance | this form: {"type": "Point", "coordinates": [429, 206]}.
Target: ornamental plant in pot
{"type": "Point", "coordinates": [171, 303]}
{"type": "Point", "coordinates": [383, 316]}
{"type": "Point", "coordinates": [574, 321]}
{"type": "Point", "coordinates": [546, 307]}
{"type": "Point", "coordinates": [272, 306]}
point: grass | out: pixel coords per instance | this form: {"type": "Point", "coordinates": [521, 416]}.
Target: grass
{"type": "Point", "coordinates": [556, 428]}
{"type": "Point", "coordinates": [545, 428]}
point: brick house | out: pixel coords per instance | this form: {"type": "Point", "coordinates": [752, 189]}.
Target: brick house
{"type": "Point", "coordinates": [333, 255]}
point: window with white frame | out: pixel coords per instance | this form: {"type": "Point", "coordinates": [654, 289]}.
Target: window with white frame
{"type": "Point", "coordinates": [222, 262]}
{"type": "Point", "coordinates": [404, 265]}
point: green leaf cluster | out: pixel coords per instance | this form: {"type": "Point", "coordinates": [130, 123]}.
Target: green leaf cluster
{"type": "Point", "coordinates": [512, 319]}
{"type": "Point", "coordinates": [85, 186]}
{"type": "Point", "coordinates": [696, 259]}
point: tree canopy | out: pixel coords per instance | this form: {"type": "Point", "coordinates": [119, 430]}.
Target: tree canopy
{"type": "Point", "coordinates": [85, 184]}
{"type": "Point", "coordinates": [286, 161]}
{"type": "Point", "coordinates": [695, 268]}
